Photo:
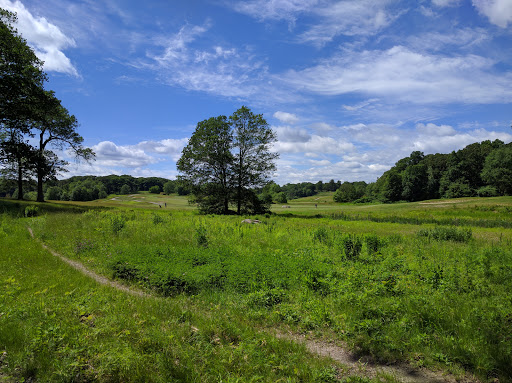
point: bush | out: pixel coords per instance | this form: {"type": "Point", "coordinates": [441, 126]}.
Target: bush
{"type": "Point", "coordinates": [201, 236]}
{"type": "Point", "coordinates": [31, 211]}
{"type": "Point", "coordinates": [154, 189]}
{"type": "Point", "coordinates": [125, 189]}
{"type": "Point", "coordinates": [441, 233]}
{"type": "Point", "coordinates": [487, 191]}
{"type": "Point", "coordinates": [351, 246]}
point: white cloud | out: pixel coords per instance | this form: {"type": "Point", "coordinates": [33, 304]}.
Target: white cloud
{"type": "Point", "coordinates": [445, 3]}
{"type": "Point", "coordinates": [438, 41]}
{"type": "Point", "coordinates": [331, 18]}
{"type": "Point", "coordinates": [217, 70]}
{"type": "Point", "coordinates": [287, 118]}
{"type": "Point", "coordinates": [400, 74]}
{"type": "Point", "coordinates": [499, 12]}
{"type": "Point", "coordinates": [275, 9]}
{"type": "Point", "coordinates": [349, 18]}
{"type": "Point", "coordinates": [435, 130]}
{"type": "Point", "coordinates": [111, 155]}
{"type": "Point", "coordinates": [326, 145]}
{"type": "Point", "coordinates": [46, 38]}
{"type": "Point", "coordinates": [288, 134]}
{"type": "Point", "coordinates": [171, 147]}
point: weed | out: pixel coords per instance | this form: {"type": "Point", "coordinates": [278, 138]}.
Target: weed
{"type": "Point", "coordinates": [201, 236]}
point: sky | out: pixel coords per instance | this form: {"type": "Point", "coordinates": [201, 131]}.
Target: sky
{"type": "Point", "coordinates": [349, 86]}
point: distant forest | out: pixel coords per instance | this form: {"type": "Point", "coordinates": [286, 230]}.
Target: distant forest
{"type": "Point", "coordinates": [480, 169]}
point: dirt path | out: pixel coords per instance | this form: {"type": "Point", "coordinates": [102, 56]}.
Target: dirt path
{"type": "Point", "coordinates": [365, 367]}
{"type": "Point", "coordinates": [335, 351]}
{"type": "Point", "coordinates": [84, 270]}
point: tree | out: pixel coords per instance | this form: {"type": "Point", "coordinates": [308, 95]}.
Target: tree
{"type": "Point", "coordinates": [27, 110]}
{"type": "Point", "coordinates": [125, 189]}
{"type": "Point", "coordinates": [21, 78]}
{"type": "Point", "coordinates": [206, 165]}
{"type": "Point", "coordinates": [57, 128]}
{"type": "Point", "coordinates": [253, 161]}
{"type": "Point", "coordinates": [169, 187]}
{"type": "Point", "coordinates": [154, 189]}
{"type": "Point", "coordinates": [497, 170]}
{"type": "Point", "coordinates": [225, 160]}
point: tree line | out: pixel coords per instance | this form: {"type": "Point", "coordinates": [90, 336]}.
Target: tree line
{"type": "Point", "coordinates": [89, 188]}
{"type": "Point", "coordinates": [33, 121]}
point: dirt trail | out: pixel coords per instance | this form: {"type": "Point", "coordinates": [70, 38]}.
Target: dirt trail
{"type": "Point", "coordinates": [99, 278]}
{"type": "Point", "coordinates": [365, 367]}
{"type": "Point", "coordinates": [337, 352]}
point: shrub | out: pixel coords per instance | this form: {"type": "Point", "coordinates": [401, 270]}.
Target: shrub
{"type": "Point", "coordinates": [125, 189]}
{"type": "Point", "coordinates": [201, 236]}
{"type": "Point", "coordinates": [154, 189]}
{"type": "Point", "coordinates": [442, 233]}
{"type": "Point", "coordinates": [320, 235]}
{"type": "Point", "coordinates": [266, 298]}
{"type": "Point", "coordinates": [117, 223]}
{"type": "Point", "coordinates": [31, 211]}
{"type": "Point", "coordinates": [351, 245]}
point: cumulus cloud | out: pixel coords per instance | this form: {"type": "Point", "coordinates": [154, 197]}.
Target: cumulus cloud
{"type": "Point", "coordinates": [435, 130]}
{"type": "Point", "coordinates": [110, 154]}
{"type": "Point", "coordinates": [47, 39]}
{"type": "Point", "coordinates": [171, 147]}
{"type": "Point", "coordinates": [499, 12]}
{"type": "Point", "coordinates": [287, 118]}
{"type": "Point", "coordinates": [404, 75]}
{"type": "Point", "coordinates": [327, 145]}
{"type": "Point", "coordinates": [288, 134]}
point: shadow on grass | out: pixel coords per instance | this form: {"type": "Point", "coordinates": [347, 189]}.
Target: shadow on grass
{"type": "Point", "coordinates": [16, 208]}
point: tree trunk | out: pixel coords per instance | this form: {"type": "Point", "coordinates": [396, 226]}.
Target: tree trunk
{"type": "Point", "coordinates": [40, 195]}
{"type": "Point", "coordinates": [20, 179]}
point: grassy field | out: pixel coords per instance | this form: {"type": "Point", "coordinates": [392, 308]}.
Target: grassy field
{"type": "Point", "coordinates": [426, 283]}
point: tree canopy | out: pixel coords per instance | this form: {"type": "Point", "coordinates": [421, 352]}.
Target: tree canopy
{"type": "Point", "coordinates": [226, 159]}
{"type": "Point", "coordinates": [32, 119]}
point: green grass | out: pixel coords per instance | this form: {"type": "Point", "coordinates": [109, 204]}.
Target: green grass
{"type": "Point", "coordinates": [436, 296]}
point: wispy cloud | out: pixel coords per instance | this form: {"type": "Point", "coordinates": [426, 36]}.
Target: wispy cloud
{"type": "Point", "coordinates": [404, 75]}
{"type": "Point", "coordinates": [48, 41]}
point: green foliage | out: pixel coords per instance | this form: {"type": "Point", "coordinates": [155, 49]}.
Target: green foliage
{"type": "Point", "coordinates": [31, 211]}
{"type": "Point", "coordinates": [125, 189]}
{"type": "Point", "coordinates": [154, 189]}
{"type": "Point", "coordinates": [225, 160]}
{"type": "Point", "coordinates": [368, 279]}
{"type": "Point", "coordinates": [351, 245]}
{"type": "Point", "coordinates": [201, 236]}
{"type": "Point", "coordinates": [169, 187]}
{"type": "Point", "coordinates": [442, 233]}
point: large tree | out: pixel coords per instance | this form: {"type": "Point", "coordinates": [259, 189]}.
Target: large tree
{"type": "Point", "coordinates": [21, 80]}
{"type": "Point", "coordinates": [28, 111]}
{"type": "Point", "coordinates": [206, 165]}
{"type": "Point", "coordinates": [226, 159]}
{"type": "Point", "coordinates": [254, 162]}
{"type": "Point", "coordinates": [55, 127]}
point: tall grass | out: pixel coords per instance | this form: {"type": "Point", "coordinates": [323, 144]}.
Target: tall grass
{"type": "Point", "coordinates": [395, 297]}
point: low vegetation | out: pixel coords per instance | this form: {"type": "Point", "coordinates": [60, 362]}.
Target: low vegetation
{"type": "Point", "coordinates": [431, 295]}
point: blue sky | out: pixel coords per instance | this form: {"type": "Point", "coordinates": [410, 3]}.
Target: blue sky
{"type": "Point", "coordinates": [349, 86]}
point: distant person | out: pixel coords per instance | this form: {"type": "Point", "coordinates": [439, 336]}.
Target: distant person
{"type": "Point", "coordinates": [165, 203]}
{"type": "Point", "coordinates": [316, 206]}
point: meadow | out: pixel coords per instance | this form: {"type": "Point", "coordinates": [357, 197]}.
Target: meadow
{"type": "Point", "coordinates": [428, 284]}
